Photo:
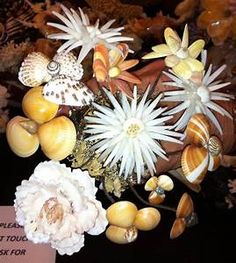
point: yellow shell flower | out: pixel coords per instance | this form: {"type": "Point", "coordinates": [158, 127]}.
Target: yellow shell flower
{"type": "Point", "coordinates": [179, 57]}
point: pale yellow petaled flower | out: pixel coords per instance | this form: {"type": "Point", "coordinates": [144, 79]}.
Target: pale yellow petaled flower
{"type": "Point", "coordinates": [179, 56]}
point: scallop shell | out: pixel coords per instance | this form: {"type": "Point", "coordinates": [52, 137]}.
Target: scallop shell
{"type": "Point", "coordinates": [36, 107]}
{"type": "Point", "coordinates": [194, 163]}
{"type": "Point", "coordinates": [33, 71]}
{"type": "Point", "coordinates": [185, 206]}
{"type": "Point", "coordinates": [121, 235]}
{"type": "Point", "coordinates": [21, 141]}
{"type": "Point", "coordinates": [64, 90]}
{"type": "Point", "coordinates": [178, 228]}
{"type": "Point", "coordinates": [57, 138]}
{"type": "Point", "coordinates": [198, 129]}
{"type": "Point", "coordinates": [67, 65]}
{"type": "Point", "coordinates": [147, 219]}
{"type": "Point", "coordinates": [122, 213]}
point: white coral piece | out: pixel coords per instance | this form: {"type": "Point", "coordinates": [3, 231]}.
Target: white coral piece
{"type": "Point", "coordinates": [79, 32]}
{"type": "Point", "coordinates": [57, 206]}
{"type": "Point", "coordinates": [197, 96]}
{"type": "Point", "coordinates": [130, 133]}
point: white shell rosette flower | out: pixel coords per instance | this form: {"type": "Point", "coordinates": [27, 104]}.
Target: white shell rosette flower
{"type": "Point", "coordinates": [57, 206]}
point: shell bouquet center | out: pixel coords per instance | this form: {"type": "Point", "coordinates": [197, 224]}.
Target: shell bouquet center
{"type": "Point", "coordinates": [103, 126]}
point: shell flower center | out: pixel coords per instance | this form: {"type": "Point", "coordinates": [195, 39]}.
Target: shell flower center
{"type": "Point", "coordinates": [133, 127]}
{"type": "Point", "coordinates": [52, 210]}
{"type": "Point", "coordinates": [204, 94]}
{"type": "Point", "coordinates": [182, 53]}
{"type": "Point", "coordinates": [114, 72]}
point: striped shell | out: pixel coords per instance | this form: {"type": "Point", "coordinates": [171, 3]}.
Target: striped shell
{"type": "Point", "coordinates": [215, 146]}
{"type": "Point", "coordinates": [198, 129]}
{"type": "Point", "coordinates": [68, 66]}
{"type": "Point", "coordinates": [33, 71]}
{"type": "Point", "coordinates": [194, 163]}
{"type": "Point", "coordinates": [64, 90]}
{"type": "Point", "coordinates": [100, 62]}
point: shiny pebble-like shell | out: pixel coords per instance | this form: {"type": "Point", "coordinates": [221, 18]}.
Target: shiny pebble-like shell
{"type": "Point", "coordinates": [33, 71]}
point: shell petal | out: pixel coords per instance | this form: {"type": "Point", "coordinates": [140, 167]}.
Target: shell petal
{"type": "Point", "coordinates": [33, 71]}
{"type": "Point", "coordinates": [198, 129]}
{"type": "Point", "coordinates": [154, 198]}
{"type": "Point", "coordinates": [64, 90]}
{"type": "Point", "coordinates": [177, 228]}
{"type": "Point", "coordinates": [151, 184]}
{"type": "Point", "coordinates": [196, 48]}
{"type": "Point", "coordinates": [214, 162]}
{"type": "Point", "coordinates": [194, 163]}
{"type": "Point", "coordinates": [185, 206]}
{"type": "Point", "coordinates": [165, 182]}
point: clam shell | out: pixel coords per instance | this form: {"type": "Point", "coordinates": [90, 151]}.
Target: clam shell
{"type": "Point", "coordinates": [147, 218]}
{"type": "Point", "coordinates": [121, 235]}
{"type": "Point", "coordinates": [165, 182]}
{"type": "Point", "coordinates": [66, 65]}
{"type": "Point", "coordinates": [177, 228]}
{"type": "Point", "coordinates": [57, 138]}
{"type": "Point", "coordinates": [185, 206]}
{"type": "Point", "coordinates": [64, 90]}
{"type": "Point", "coordinates": [194, 163]}
{"type": "Point", "coordinates": [122, 213]}
{"type": "Point", "coordinates": [151, 184]}
{"type": "Point", "coordinates": [198, 129]}
{"type": "Point", "coordinates": [36, 107]}
{"type": "Point", "coordinates": [33, 71]}
{"type": "Point", "coordinates": [21, 141]}
{"type": "Point", "coordinates": [214, 162]}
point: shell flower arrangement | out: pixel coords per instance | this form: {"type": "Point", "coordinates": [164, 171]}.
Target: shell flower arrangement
{"type": "Point", "coordinates": [112, 138]}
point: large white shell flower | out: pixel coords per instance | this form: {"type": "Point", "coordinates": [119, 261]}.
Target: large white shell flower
{"type": "Point", "coordinates": [130, 133]}
{"type": "Point", "coordinates": [79, 32]}
{"type": "Point", "coordinates": [197, 97]}
{"type": "Point", "coordinates": [57, 206]}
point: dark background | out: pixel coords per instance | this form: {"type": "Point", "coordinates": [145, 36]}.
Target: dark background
{"type": "Point", "coordinates": [211, 240]}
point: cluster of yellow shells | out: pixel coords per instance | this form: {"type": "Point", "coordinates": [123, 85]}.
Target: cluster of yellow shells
{"type": "Point", "coordinates": [126, 220]}
{"type": "Point", "coordinates": [55, 134]}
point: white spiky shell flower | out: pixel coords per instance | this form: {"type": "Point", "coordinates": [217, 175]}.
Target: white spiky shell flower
{"type": "Point", "coordinates": [130, 132]}
{"type": "Point", "coordinates": [78, 32]}
{"type": "Point", "coordinates": [197, 97]}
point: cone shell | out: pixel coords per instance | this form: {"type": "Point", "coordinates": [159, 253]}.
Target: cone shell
{"type": "Point", "coordinates": [21, 142]}
{"type": "Point", "coordinates": [122, 213]}
{"type": "Point", "coordinates": [147, 218]}
{"type": "Point", "coordinates": [185, 206]}
{"type": "Point", "coordinates": [33, 71]}
{"type": "Point", "coordinates": [121, 235]}
{"type": "Point", "coordinates": [194, 163]}
{"type": "Point", "coordinates": [36, 107]}
{"type": "Point", "coordinates": [198, 129]}
{"type": "Point", "coordinates": [57, 138]}
{"type": "Point", "coordinates": [177, 228]}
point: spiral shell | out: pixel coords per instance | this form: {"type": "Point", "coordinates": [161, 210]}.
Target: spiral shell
{"type": "Point", "coordinates": [194, 163]}
{"type": "Point", "coordinates": [68, 66]}
{"type": "Point", "coordinates": [33, 71]}
{"type": "Point", "coordinates": [121, 235]}
{"type": "Point", "coordinates": [122, 213]}
{"type": "Point", "coordinates": [147, 218]}
{"type": "Point", "coordinates": [36, 107]}
{"type": "Point", "coordinates": [57, 137]}
{"type": "Point", "coordinates": [198, 129]}
{"type": "Point", "coordinates": [22, 142]}
{"type": "Point", "coordinates": [215, 146]}
{"type": "Point", "coordinates": [53, 68]}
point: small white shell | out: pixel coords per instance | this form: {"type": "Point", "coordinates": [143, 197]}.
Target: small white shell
{"type": "Point", "coordinates": [64, 90]}
{"type": "Point", "coordinates": [33, 71]}
{"type": "Point", "coordinates": [68, 65]}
